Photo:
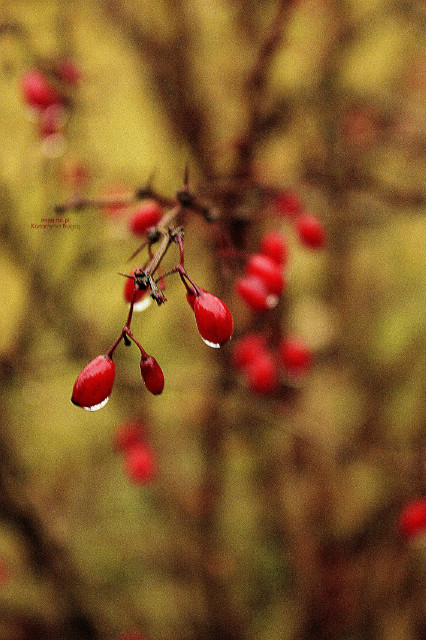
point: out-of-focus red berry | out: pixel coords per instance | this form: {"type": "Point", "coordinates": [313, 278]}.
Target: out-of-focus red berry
{"type": "Point", "coordinates": [273, 245]}
{"type": "Point", "coordinates": [252, 290]}
{"type": "Point", "coordinates": [262, 374]}
{"type": "Point", "coordinates": [295, 355]}
{"type": "Point", "coordinates": [310, 231]}
{"type": "Point", "coordinates": [412, 519]}
{"type": "Point", "coordinates": [37, 91]}
{"type": "Point", "coordinates": [147, 215]}
{"type": "Point", "coordinates": [140, 463]}
{"type": "Point", "coordinates": [247, 349]}
{"type": "Point", "coordinates": [268, 271]}
{"type": "Point", "coordinates": [288, 203]}
{"type": "Point", "coordinates": [126, 435]}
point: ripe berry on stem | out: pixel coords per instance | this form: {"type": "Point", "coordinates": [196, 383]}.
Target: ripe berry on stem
{"type": "Point", "coordinates": [214, 319]}
{"type": "Point", "coordinates": [94, 384]}
{"type": "Point", "coordinates": [152, 375]}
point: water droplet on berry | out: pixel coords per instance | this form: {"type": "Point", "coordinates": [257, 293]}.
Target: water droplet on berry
{"type": "Point", "coordinates": [272, 301]}
{"type": "Point", "coordinates": [98, 406]}
{"type": "Point", "coordinates": [215, 345]}
{"type": "Point", "coordinates": [142, 304]}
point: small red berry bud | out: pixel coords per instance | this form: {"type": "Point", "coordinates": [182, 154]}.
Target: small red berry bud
{"type": "Point", "coordinates": [262, 374]}
{"type": "Point", "coordinates": [127, 435]}
{"type": "Point", "coordinates": [152, 375]}
{"type": "Point", "coordinates": [37, 90]}
{"type": "Point", "coordinates": [273, 245]}
{"type": "Point", "coordinates": [311, 231]}
{"type": "Point", "coordinates": [268, 271]}
{"type": "Point", "coordinates": [247, 349]}
{"type": "Point", "coordinates": [141, 301]}
{"type": "Point", "coordinates": [253, 291]}
{"type": "Point", "coordinates": [140, 463]}
{"type": "Point", "coordinates": [94, 384]}
{"type": "Point", "coordinates": [288, 203]}
{"type": "Point", "coordinates": [214, 319]}
{"type": "Point", "coordinates": [295, 355]}
{"type": "Point", "coordinates": [412, 519]}
{"type": "Point", "coordinates": [146, 216]}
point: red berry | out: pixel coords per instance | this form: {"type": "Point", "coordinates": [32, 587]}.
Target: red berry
{"type": "Point", "coordinates": [268, 271]}
{"type": "Point", "coordinates": [272, 244]}
{"type": "Point", "coordinates": [214, 319]}
{"type": "Point", "coordinates": [191, 297]}
{"type": "Point", "coordinates": [37, 90]}
{"type": "Point", "coordinates": [412, 519]}
{"type": "Point", "coordinates": [288, 203]}
{"type": "Point", "coordinates": [295, 355]}
{"type": "Point", "coordinates": [140, 463]}
{"type": "Point", "coordinates": [311, 231]}
{"type": "Point", "coordinates": [262, 374]}
{"type": "Point", "coordinates": [69, 71]}
{"type": "Point", "coordinates": [129, 287]}
{"type": "Point", "coordinates": [127, 435]}
{"type": "Point", "coordinates": [152, 375]}
{"type": "Point", "coordinates": [147, 215]}
{"type": "Point", "coordinates": [247, 349]}
{"type": "Point", "coordinates": [94, 384]}
{"type": "Point", "coordinates": [253, 291]}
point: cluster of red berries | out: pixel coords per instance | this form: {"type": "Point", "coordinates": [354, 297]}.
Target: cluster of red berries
{"type": "Point", "coordinates": [261, 366]}
{"type": "Point", "coordinates": [412, 519]}
{"type": "Point", "coordinates": [213, 318]}
{"type": "Point", "coordinates": [139, 458]}
{"type": "Point", "coordinates": [47, 93]}
{"type": "Point", "coordinates": [264, 282]}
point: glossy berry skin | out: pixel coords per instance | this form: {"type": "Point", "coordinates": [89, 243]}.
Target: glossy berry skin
{"type": "Point", "coordinates": [140, 463]}
{"type": "Point", "coordinates": [262, 374]}
{"type": "Point", "coordinates": [412, 519]}
{"type": "Point", "coordinates": [37, 90]}
{"type": "Point", "coordinates": [127, 435]}
{"type": "Point", "coordinates": [252, 290]}
{"type": "Point", "coordinates": [147, 215]}
{"type": "Point", "coordinates": [273, 245]}
{"type": "Point", "coordinates": [247, 349]}
{"type": "Point", "coordinates": [214, 319]}
{"type": "Point", "coordinates": [310, 231]}
{"type": "Point", "coordinates": [288, 203]}
{"type": "Point", "coordinates": [152, 375]}
{"type": "Point", "coordinates": [191, 297]}
{"type": "Point", "coordinates": [295, 356]}
{"type": "Point", "coordinates": [268, 271]}
{"type": "Point", "coordinates": [94, 384]}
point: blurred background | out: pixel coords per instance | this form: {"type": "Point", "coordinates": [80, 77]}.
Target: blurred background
{"type": "Point", "coordinates": [270, 517]}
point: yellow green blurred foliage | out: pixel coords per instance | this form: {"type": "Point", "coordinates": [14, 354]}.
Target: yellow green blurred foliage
{"type": "Point", "coordinates": [302, 543]}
